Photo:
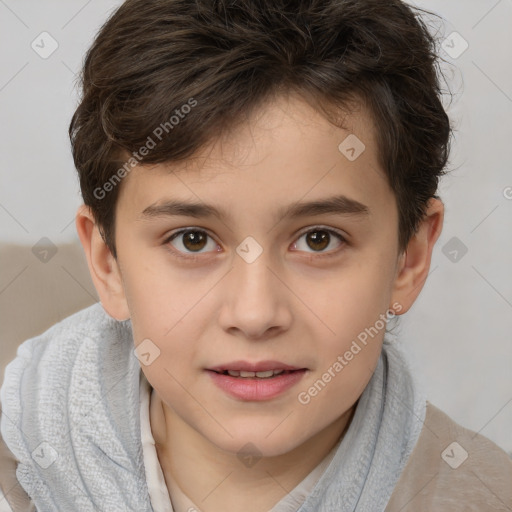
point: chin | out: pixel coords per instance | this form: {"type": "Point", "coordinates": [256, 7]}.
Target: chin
{"type": "Point", "coordinates": [264, 441]}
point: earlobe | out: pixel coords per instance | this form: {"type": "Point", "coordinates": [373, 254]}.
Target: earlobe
{"type": "Point", "coordinates": [414, 263]}
{"type": "Point", "coordinates": [103, 267]}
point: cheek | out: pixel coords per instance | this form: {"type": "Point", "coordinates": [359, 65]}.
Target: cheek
{"type": "Point", "coordinates": [344, 369]}
{"type": "Point", "coordinates": [157, 298]}
{"type": "Point", "coordinates": [350, 303]}
{"type": "Point", "coordinates": [333, 393]}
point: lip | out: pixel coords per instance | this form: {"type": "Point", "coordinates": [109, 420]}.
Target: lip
{"type": "Point", "coordinates": [255, 389]}
{"type": "Point", "coordinates": [260, 366]}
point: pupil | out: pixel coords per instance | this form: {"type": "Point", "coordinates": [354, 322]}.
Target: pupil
{"type": "Point", "coordinates": [194, 240]}
{"type": "Point", "coordinates": [318, 240]}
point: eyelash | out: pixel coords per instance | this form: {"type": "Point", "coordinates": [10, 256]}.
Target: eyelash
{"type": "Point", "coordinates": [195, 257]}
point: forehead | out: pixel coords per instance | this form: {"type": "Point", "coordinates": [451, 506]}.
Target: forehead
{"type": "Point", "coordinates": [286, 151]}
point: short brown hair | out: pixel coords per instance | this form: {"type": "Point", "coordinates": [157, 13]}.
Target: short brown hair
{"type": "Point", "coordinates": [152, 58]}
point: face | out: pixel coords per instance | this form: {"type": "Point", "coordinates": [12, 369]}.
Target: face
{"type": "Point", "coordinates": [263, 278]}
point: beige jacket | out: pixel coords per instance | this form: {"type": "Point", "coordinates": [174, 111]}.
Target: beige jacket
{"type": "Point", "coordinates": [451, 469]}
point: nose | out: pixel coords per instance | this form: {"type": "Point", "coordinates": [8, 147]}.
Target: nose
{"type": "Point", "coordinates": [256, 304]}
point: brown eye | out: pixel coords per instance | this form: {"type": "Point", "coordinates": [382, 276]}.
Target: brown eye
{"type": "Point", "coordinates": [317, 240]}
{"type": "Point", "coordinates": [194, 240]}
{"type": "Point", "coordinates": [188, 241]}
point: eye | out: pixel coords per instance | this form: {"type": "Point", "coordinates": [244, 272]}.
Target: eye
{"type": "Point", "coordinates": [191, 239]}
{"type": "Point", "coordinates": [318, 239]}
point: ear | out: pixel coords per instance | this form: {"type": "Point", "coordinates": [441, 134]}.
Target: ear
{"type": "Point", "coordinates": [414, 263]}
{"type": "Point", "coordinates": [103, 267]}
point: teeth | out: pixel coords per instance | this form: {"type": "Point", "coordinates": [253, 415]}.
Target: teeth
{"type": "Point", "coordinates": [261, 375]}
{"type": "Point", "coordinates": [264, 375]}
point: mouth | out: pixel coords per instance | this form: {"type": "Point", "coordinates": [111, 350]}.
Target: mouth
{"type": "Point", "coordinates": [259, 370]}
{"type": "Point", "coordinates": [268, 374]}
{"type": "Point", "coordinates": [256, 386]}
{"type": "Point", "coordinates": [256, 381]}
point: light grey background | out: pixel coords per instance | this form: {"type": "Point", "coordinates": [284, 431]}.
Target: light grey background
{"type": "Point", "coordinates": [458, 333]}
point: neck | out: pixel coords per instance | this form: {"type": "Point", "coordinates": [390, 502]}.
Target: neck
{"type": "Point", "coordinates": [224, 483]}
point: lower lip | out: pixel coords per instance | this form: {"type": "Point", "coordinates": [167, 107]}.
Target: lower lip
{"type": "Point", "coordinates": [255, 389]}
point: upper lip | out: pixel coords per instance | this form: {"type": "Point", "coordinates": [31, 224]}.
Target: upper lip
{"type": "Point", "coordinates": [260, 366]}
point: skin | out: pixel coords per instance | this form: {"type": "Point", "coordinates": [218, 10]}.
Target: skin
{"type": "Point", "coordinates": [292, 304]}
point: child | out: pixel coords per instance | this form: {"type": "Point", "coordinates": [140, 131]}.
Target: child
{"type": "Point", "coordinates": [296, 147]}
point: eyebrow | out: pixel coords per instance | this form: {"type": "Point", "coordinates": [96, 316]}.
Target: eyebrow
{"type": "Point", "coordinates": [339, 205]}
